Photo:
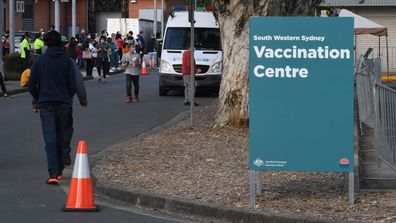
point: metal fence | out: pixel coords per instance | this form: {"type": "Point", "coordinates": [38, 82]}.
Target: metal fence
{"type": "Point", "coordinates": [377, 110]}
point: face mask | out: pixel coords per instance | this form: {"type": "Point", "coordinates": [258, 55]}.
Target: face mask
{"type": "Point", "coordinates": [89, 37]}
{"type": "Point", "coordinates": [102, 41]}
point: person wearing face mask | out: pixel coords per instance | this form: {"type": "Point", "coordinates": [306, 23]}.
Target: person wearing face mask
{"type": "Point", "coordinates": [130, 60]}
{"type": "Point", "coordinates": [103, 63]}
{"type": "Point", "coordinates": [113, 54]}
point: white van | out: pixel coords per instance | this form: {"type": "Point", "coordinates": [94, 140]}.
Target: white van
{"type": "Point", "coordinates": [208, 52]}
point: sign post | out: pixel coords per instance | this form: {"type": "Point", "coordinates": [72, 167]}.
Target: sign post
{"type": "Point", "coordinates": [192, 71]}
{"type": "Point", "coordinates": [1, 35]}
{"type": "Point", "coordinates": [301, 95]}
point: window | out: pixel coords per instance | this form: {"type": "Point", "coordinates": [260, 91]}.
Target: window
{"type": "Point", "coordinates": [205, 38]}
{"type": "Point", "coordinates": [20, 6]}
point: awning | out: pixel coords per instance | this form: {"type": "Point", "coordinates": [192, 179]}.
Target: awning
{"type": "Point", "coordinates": [364, 26]}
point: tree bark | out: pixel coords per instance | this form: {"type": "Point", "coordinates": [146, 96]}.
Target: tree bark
{"type": "Point", "coordinates": [233, 18]}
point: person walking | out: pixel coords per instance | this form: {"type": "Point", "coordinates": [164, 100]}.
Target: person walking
{"type": "Point", "coordinates": [152, 52]}
{"type": "Point", "coordinates": [186, 71]}
{"type": "Point", "coordinates": [38, 45]}
{"type": "Point", "coordinates": [130, 60]}
{"type": "Point", "coordinates": [103, 49]}
{"type": "Point", "coordinates": [88, 50]}
{"type": "Point", "coordinates": [113, 54]}
{"type": "Point", "coordinates": [25, 49]}
{"type": "Point", "coordinates": [119, 41]}
{"type": "Point", "coordinates": [52, 84]}
{"type": "Point", "coordinates": [72, 49]}
{"type": "Point", "coordinates": [140, 45]}
{"type": "Point", "coordinates": [2, 85]}
{"type": "Point", "coordinates": [6, 43]}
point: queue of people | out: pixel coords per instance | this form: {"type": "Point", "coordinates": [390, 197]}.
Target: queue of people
{"type": "Point", "coordinates": [104, 53]}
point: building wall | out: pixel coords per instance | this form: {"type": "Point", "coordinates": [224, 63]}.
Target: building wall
{"type": "Point", "coordinates": [141, 4]}
{"type": "Point", "coordinates": [44, 16]}
{"type": "Point", "coordinates": [385, 16]}
{"type": "Point", "coordinates": [41, 15]}
{"type": "Point", "coordinates": [18, 19]}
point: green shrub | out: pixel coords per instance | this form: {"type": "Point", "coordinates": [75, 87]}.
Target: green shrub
{"type": "Point", "coordinates": [14, 66]}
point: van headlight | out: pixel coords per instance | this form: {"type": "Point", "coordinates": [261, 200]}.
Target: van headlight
{"type": "Point", "coordinates": [216, 68]}
{"type": "Point", "coordinates": [166, 67]}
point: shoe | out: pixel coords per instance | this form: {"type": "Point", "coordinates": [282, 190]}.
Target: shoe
{"type": "Point", "coordinates": [128, 100]}
{"type": "Point", "coordinates": [187, 103]}
{"type": "Point", "coordinates": [100, 79]}
{"type": "Point", "coordinates": [196, 104]}
{"type": "Point", "coordinates": [59, 177]}
{"type": "Point", "coordinates": [136, 99]}
{"type": "Point", "coordinates": [53, 181]}
{"type": "Point", "coordinates": [66, 158]}
{"type": "Point", "coordinates": [5, 95]}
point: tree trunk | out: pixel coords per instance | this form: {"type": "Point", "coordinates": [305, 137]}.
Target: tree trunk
{"type": "Point", "coordinates": [233, 17]}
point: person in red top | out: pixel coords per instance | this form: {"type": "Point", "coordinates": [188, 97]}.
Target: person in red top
{"type": "Point", "coordinates": [186, 71]}
{"type": "Point", "coordinates": [118, 41]}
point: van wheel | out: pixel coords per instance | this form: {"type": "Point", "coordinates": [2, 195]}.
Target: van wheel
{"type": "Point", "coordinates": [163, 91]}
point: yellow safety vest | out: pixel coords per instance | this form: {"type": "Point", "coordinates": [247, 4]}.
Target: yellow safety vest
{"type": "Point", "coordinates": [38, 44]}
{"type": "Point", "coordinates": [24, 44]}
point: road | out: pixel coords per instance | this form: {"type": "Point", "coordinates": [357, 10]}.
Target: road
{"type": "Point", "coordinates": [24, 196]}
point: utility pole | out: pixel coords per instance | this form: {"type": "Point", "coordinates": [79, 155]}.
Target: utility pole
{"type": "Point", "coordinates": [12, 25]}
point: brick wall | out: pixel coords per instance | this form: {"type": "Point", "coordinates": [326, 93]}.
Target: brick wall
{"type": "Point", "coordinates": [44, 16]}
{"type": "Point", "coordinates": [18, 19]}
{"type": "Point", "coordinates": [41, 15]}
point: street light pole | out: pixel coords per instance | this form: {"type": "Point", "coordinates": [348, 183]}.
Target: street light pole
{"type": "Point", "coordinates": [74, 17]}
{"type": "Point", "coordinates": [12, 25]}
{"type": "Point", "coordinates": [162, 19]}
{"type": "Point", "coordinates": [57, 15]}
{"type": "Point", "coordinates": [155, 18]}
{"type": "Point", "coordinates": [1, 34]}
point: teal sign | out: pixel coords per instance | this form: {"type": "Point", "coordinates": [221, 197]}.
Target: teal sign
{"type": "Point", "coordinates": [301, 94]}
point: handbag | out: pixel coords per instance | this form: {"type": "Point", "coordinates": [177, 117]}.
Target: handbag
{"type": "Point", "coordinates": [87, 54]}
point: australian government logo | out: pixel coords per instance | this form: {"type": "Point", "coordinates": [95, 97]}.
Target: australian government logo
{"type": "Point", "coordinates": [258, 162]}
{"type": "Point", "coordinates": [269, 163]}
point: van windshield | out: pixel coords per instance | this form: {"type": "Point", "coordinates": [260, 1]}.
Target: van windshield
{"type": "Point", "coordinates": [205, 38]}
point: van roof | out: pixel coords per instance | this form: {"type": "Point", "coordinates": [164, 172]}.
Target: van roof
{"type": "Point", "coordinates": [202, 19]}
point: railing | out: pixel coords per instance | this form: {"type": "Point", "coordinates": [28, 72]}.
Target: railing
{"type": "Point", "coordinates": [377, 110]}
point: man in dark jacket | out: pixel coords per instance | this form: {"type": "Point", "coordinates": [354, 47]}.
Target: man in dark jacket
{"type": "Point", "coordinates": [52, 84]}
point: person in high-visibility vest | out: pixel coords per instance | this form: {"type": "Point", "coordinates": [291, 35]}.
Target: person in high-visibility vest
{"type": "Point", "coordinates": [38, 45]}
{"type": "Point", "coordinates": [25, 49]}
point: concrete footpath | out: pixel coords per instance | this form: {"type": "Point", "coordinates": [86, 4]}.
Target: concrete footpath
{"type": "Point", "coordinates": [185, 207]}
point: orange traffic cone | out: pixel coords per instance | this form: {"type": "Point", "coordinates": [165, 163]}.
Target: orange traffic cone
{"type": "Point", "coordinates": [81, 197]}
{"type": "Point", "coordinates": [143, 71]}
